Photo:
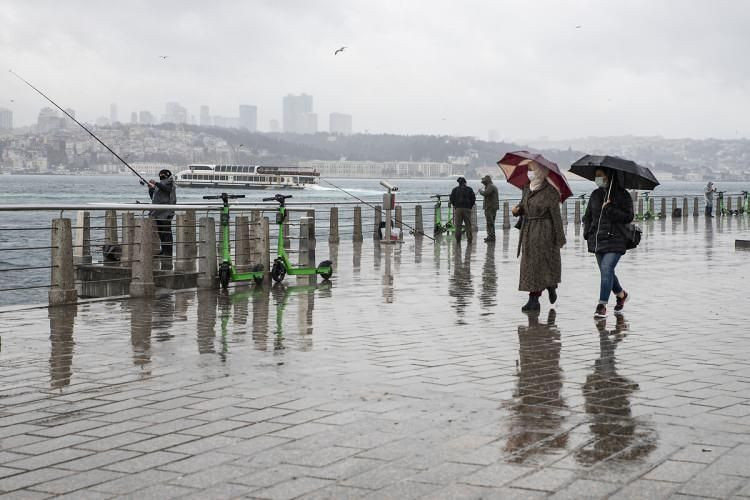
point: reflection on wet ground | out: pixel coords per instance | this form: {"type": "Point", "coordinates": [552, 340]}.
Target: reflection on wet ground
{"type": "Point", "coordinates": [413, 373]}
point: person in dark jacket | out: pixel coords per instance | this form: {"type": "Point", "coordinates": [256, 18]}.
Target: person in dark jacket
{"type": "Point", "coordinates": [463, 200]}
{"type": "Point", "coordinates": [163, 192]}
{"type": "Point", "coordinates": [491, 205]}
{"type": "Point", "coordinates": [609, 209]}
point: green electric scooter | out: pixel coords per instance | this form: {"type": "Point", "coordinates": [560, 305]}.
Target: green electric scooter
{"type": "Point", "coordinates": [281, 265]}
{"type": "Point", "coordinates": [227, 270]}
{"type": "Point", "coordinates": [441, 228]}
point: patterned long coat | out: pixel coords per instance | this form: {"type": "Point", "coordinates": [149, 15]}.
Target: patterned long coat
{"type": "Point", "coordinates": [542, 237]}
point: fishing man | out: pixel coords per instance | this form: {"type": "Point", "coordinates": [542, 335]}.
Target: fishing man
{"type": "Point", "coordinates": [163, 192]}
{"type": "Point", "coordinates": [491, 205]}
{"type": "Point", "coordinates": [463, 199]}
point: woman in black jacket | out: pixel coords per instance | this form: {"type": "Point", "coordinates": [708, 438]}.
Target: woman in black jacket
{"type": "Point", "coordinates": [610, 208]}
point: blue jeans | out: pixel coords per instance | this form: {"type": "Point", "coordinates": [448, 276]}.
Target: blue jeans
{"type": "Point", "coordinates": [607, 263]}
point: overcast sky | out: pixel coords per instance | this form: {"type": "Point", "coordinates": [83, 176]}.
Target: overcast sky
{"type": "Point", "coordinates": [676, 68]}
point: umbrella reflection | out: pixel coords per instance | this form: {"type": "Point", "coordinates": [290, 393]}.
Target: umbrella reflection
{"type": "Point", "coordinates": [538, 407]}
{"type": "Point", "coordinates": [607, 396]}
{"type": "Point", "coordinates": [61, 325]}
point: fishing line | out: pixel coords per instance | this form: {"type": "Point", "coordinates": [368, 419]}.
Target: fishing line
{"type": "Point", "coordinates": [79, 124]}
{"type": "Point", "coordinates": [375, 208]}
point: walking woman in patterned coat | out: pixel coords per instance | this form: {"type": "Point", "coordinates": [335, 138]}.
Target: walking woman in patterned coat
{"type": "Point", "coordinates": [542, 237]}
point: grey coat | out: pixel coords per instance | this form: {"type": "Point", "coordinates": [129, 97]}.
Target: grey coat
{"type": "Point", "coordinates": [542, 237]}
{"type": "Point", "coordinates": [165, 193]}
{"type": "Point", "coordinates": [491, 198]}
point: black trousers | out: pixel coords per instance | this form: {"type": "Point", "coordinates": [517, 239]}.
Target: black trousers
{"type": "Point", "coordinates": [164, 229]}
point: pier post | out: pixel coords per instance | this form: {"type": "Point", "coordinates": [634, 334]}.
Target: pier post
{"type": "Point", "coordinates": [400, 222]}
{"type": "Point", "coordinates": [142, 277]}
{"type": "Point", "coordinates": [674, 207]}
{"type": "Point", "coordinates": [333, 225]}
{"type": "Point", "coordinates": [564, 213]}
{"type": "Point", "coordinates": [207, 253]}
{"type": "Point", "coordinates": [128, 239]}
{"type": "Point", "coordinates": [287, 227]}
{"type": "Point", "coordinates": [651, 205]}
{"type": "Point", "coordinates": [663, 208]}
{"type": "Point", "coordinates": [685, 207]}
{"type": "Point", "coordinates": [264, 249]}
{"type": "Point", "coordinates": [62, 286]}
{"type": "Point", "coordinates": [82, 248]}
{"type": "Point", "coordinates": [357, 232]}
{"type": "Point", "coordinates": [312, 242]}
{"type": "Point", "coordinates": [254, 235]}
{"type": "Point", "coordinates": [378, 220]}
{"type": "Point", "coordinates": [306, 254]}
{"type": "Point", "coordinates": [696, 209]}
{"type": "Point", "coordinates": [506, 215]}
{"type": "Point", "coordinates": [640, 207]}
{"type": "Point", "coordinates": [418, 220]}
{"type": "Point", "coordinates": [577, 213]}
{"type": "Point", "coordinates": [241, 242]}
{"type": "Point", "coordinates": [183, 261]}
{"type": "Point", "coordinates": [110, 227]}
{"type": "Point", "coordinates": [191, 249]}
{"type": "Point", "coordinates": [729, 203]}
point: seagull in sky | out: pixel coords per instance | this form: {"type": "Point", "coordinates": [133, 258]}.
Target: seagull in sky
{"type": "Point", "coordinates": [339, 50]}
{"type": "Point", "coordinates": [578, 26]}
{"type": "Point", "coordinates": [163, 57]}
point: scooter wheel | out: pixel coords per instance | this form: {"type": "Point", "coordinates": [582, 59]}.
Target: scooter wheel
{"type": "Point", "coordinates": [278, 271]}
{"type": "Point", "coordinates": [326, 263]}
{"type": "Point", "coordinates": [224, 275]}
{"type": "Point", "coordinates": [258, 268]}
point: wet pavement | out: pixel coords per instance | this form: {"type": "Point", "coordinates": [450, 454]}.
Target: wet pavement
{"type": "Point", "coordinates": [413, 374]}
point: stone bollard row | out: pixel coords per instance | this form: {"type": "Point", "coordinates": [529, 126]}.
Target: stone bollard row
{"type": "Point", "coordinates": [207, 265]}
{"type": "Point", "coordinates": [378, 220]}
{"type": "Point", "coordinates": [357, 233]}
{"type": "Point", "coordinates": [128, 239]}
{"type": "Point", "coordinates": [62, 286]}
{"type": "Point", "coordinates": [82, 246]}
{"type": "Point", "coordinates": [142, 276]}
{"type": "Point", "coordinates": [333, 225]}
{"type": "Point", "coordinates": [418, 220]}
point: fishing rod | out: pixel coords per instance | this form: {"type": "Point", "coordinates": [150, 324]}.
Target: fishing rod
{"type": "Point", "coordinates": [80, 125]}
{"type": "Point", "coordinates": [374, 207]}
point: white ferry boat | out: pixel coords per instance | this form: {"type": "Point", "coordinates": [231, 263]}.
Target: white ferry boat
{"type": "Point", "coordinates": [247, 176]}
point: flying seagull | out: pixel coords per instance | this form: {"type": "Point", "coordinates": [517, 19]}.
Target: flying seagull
{"type": "Point", "coordinates": [163, 57]}
{"type": "Point", "coordinates": [339, 50]}
{"type": "Point", "coordinates": [578, 26]}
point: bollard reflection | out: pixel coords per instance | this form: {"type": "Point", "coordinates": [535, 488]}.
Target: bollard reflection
{"type": "Point", "coordinates": [206, 321]}
{"type": "Point", "coordinates": [538, 406]}
{"type": "Point", "coordinates": [163, 316]}
{"type": "Point", "coordinates": [356, 257]}
{"type": "Point", "coordinates": [459, 283]}
{"type": "Point", "coordinates": [418, 242]}
{"type": "Point", "coordinates": [61, 326]}
{"type": "Point", "coordinates": [607, 403]}
{"type": "Point", "coordinates": [488, 293]}
{"type": "Point", "coordinates": [141, 322]}
{"type": "Point", "coordinates": [388, 294]}
{"type": "Point", "coordinates": [261, 307]}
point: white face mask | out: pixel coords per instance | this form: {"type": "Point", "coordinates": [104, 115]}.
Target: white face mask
{"type": "Point", "coordinates": [600, 181]}
{"type": "Point", "coordinates": [532, 175]}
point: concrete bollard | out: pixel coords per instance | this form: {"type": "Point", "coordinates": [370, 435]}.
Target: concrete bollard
{"type": "Point", "coordinates": [418, 220]}
{"type": "Point", "coordinates": [663, 207]}
{"type": "Point", "coordinates": [82, 248]}
{"type": "Point", "coordinates": [311, 228]}
{"type": "Point", "coordinates": [305, 247]}
{"type": "Point", "coordinates": [400, 222]}
{"type": "Point", "coordinates": [729, 203]}
{"type": "Point", "coordinates": [110, 228]}
{"type": "Point", "coordinates": [142, 277]}
{"type": "Point", "coordinates": [651, 205]}
{"type": "Point", "coordinates": [207, 253]}
{"type": "Point", "coordinates": [241, 242]}
{"type": "Point", "coordinates": [577, 213]}
{"type": "Point", "coordinates": [333, 225]}
{"type": "Point", "coordinates": [640, 208]}
{"type": "Point", "coordinates": [564, 214]}
{"type": "Point", "coordinates": [674, 207]}
{"type": "Point", "coordinates": [184, 262]}
{"type": "Point", "coordinates": [62, 286]}
{"type": "Point", "coordinates": [191, 248]}
{"type": "Point", "coordinates": [696, 208]}
{"type": "Point", "coordinates": [684, 207]}
{"type": "Point", "coordinates": [254, 234]}
{"type": "Point", "coordinates": [506, 215]}
{"type": "Point", "coordinates": [474, 220]}
{"type": "Point", "coordinates": [739, 203]}
{"type": "Point", "coordinates": [378, 220]}
{"type": "Point", "coordinates": [128, 239]}
{"type": "Point", "coordinates": [357, 234]}
{"type": "Point", "coordinates": [264, 249]}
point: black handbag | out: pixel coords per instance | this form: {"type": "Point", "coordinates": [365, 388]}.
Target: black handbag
{"type": "Point", "coordinates": [519, 223]}
{"type": "Point", "coordinates": [633, 234]}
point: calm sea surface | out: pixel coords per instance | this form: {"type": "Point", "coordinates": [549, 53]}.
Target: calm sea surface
{"type": "Point", "coordinates": [35, 190]}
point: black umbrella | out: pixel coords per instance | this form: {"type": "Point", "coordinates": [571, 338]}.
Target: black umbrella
{"type": "Point", "coordinates": [629, 174]}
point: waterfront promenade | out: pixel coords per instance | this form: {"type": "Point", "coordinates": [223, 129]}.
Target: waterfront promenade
{"type": "Point", "coordinates": [413, 374]}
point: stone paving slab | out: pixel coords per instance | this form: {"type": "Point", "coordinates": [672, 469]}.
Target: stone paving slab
{"type": "Point", "coordinates": [413, 375]}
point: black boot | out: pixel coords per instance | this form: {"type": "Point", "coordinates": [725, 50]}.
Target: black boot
{"type": "Point", "coordinates": [532, 304]}
{"type": "Point", "coordinates": [552, 291]}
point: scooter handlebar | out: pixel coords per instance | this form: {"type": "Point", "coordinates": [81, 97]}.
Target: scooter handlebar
{"type": "Point", "coordinates": [278, 197]}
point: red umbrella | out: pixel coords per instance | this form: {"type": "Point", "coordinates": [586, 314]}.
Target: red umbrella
{"type": "Point", "coordinates": [515, 165]}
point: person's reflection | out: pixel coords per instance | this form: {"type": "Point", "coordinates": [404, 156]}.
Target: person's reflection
{"type": "Point", "coordinates": [607, 404]}
{"type": "Point", "coordinates": [537, 408]}
{"type": "Point", "coordinates": [206, 321]}
{"type": "Point", "coordinates": [141, 321]}
{"type": "Point", "coordinates": [61, 325]}
{"type": "Point", "coordinates": [459, 284]}
{"type": "Point", "coordinates": [489, 281]}
{"type": "Point", "coordinates": [261, 306]}
{"type": "Point", "coordinates": [709, 237]}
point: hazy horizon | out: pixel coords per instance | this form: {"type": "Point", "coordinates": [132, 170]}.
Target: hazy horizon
{"type": "Point", "coordinates": [550, 70]}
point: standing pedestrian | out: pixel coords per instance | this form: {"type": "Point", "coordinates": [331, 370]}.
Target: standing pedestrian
{"type": "Point", "coordinates": [708, 194]}
{"type": "Point", "coordinates": [163, 192]}
{"type": "Point", "coordinates": [542, 237]}
{"type": "Point", "coordinates": [463, 199]}
{"type": "Point", "coordinates": [609, 209]}
{"type": "Point", "coordinates": [491, 205]}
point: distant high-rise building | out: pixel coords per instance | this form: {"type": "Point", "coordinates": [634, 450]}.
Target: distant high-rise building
{"type": "Point", "coordinates": [295, 106]}
{"type": "Point", "coordinates": [133, 117]}
{"type": "Point", "coordinates": [308, 123]}
{"type": "Point", "coordinates": [145, 118]}
{"type": "Point", "coordinates": [48, 120]}
{"type": "Point", "coordinates": [273, 126]}
{"type": "Point", "coordinates": [6, 119]}
{"type": "Point", "coordinates": [205, 116]}
{"type": "Point", "coordinates": [174, 113]}
{"type": "Point", "coordinates": [113, 113]}
{"type": "Point", "coordinates": [339, 123]}
{"type": "Point", "coordinates": [248, 117]}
